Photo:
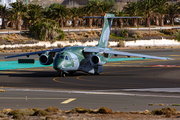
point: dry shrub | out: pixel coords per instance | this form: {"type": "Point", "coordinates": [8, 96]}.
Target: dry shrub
{"type": "Point", "coordinates": [81, 110]}
{"type": "Point", "coordinates": [121, 43]}
{"type": "Point", "coordinates": [72, 33]}
{"type": "Point", "coordinates": [87, 35]}
{"type": "Point", "coordinates": [40, 113]}
{"type": "Point", "coordinates": [80, 34]}
{"type": "Point", "coordinates": [168, 110]}
{"type": "Point", "coordinates": [98, 32]}
{"type": "Point", "coordinates": [165, 111]}
{"type": "Point", "coordinates": [104, 110]}
{"type": "Point", "coordinates": [93, 32]}
{"type": "Point", "coordinates": [1, 115]}
{"type": "Point", "coordinates": [60, 46]}
{"type": "Point", "coordinates": [22, 112]}
{"type": "Point", "coordinates": [77, 110]}
{"type": "Point", "coordinates": [156, 112]}
{"type": "Point", "coordinates": [5, 111]}
{"type": "Point", "coordinates": [90, 32]}
{"type": "Point", "coordinates": [135, 36]}
{"type": "Point", "coordinates": [139, 35]}
{"type": "Point", "coordinates": [52, 109]}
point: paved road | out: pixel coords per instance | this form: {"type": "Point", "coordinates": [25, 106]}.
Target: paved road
{"type": "Point", "coordinates": [84, 30]}
{"type": "Point", "coordinates": [124, 86]}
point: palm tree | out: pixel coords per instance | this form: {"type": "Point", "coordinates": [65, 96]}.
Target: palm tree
{"type": "Point", "coordinates": [3, 12]}
{"type": "Point", "coordinates": [18, 8]}
{"type": "Point", "coordinates": [132, 9]}
{"type": "Point", "coordinates": [34, 13]}
{"type": "Point", "coordinates": [146, 8]}
{"type": "Point", "coordinates": [173, 11]}
{"type": "Point", "coordinates": [160, 10]}
{"type": "Point", "coordinates": [11, 17]}
{"type": "Point", "coordinates": [74, 15]}
{"type": "Point", "coordinates": [59, 12]}
{"type": "Point", "coordinates": [120, 13]}
{"type": "Point", "coordinates": [98, 7]}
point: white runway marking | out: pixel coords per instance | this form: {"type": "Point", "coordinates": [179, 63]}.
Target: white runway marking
{"type": "Point", "coordinates": [156, 90]}
{"type": "Point", "coordinates": [111, 92]}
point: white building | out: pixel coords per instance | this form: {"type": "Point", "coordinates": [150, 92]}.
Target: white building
{"type": "Point", "coordinates": [6, 2]}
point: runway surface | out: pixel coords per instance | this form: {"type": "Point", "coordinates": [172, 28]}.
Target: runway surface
{"type": "Point", "coordinates": [123, 86]}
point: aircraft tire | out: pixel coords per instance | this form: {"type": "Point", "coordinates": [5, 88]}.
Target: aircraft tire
{"type": "Point", "coordinates": [96, 73]}
{"type": "Point", "coordinates": [63, 75]}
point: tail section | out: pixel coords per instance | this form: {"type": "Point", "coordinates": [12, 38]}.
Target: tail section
{"type": "Point", "coordinates": [108, 19]}
{"type": "Point", "coordinates": [106, 30]}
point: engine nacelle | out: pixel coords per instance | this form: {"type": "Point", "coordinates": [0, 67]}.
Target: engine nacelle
{"type": "Point", "coordinates": [98, 60]}
{"type": "Point", "coordinates": [45, 59]}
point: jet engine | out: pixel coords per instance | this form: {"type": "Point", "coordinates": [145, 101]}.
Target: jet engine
{"type": "Point", "coordinates": [98, 60]}
{"type": "Point", "coordinates": [46, 59]}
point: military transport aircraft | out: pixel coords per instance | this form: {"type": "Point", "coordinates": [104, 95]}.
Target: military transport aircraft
{"type": "Point", "coordinates": [83, 58]}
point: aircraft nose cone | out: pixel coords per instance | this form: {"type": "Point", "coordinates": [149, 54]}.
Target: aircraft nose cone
{"type": "Point", "coordinates": [56, 65]}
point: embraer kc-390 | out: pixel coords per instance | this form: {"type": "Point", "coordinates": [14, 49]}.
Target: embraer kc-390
{"type": "Point", "coordinates": [83, 58]}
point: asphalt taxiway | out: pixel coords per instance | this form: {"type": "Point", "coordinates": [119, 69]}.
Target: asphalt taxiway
{"type": "Point", "coordinates": [123, 86]}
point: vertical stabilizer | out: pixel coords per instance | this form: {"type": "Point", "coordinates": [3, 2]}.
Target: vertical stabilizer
{"type": "Point", "coordinates": [106, 30]}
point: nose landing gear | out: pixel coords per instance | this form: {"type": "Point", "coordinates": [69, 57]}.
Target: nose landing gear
{"type": "Point", "coordinates": [62, 74]}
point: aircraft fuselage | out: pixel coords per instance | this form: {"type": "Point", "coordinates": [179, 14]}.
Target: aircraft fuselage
{"type": "Point", "coordinates": [73, 59]}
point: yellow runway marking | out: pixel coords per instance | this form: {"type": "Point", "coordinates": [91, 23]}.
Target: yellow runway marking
{"type": "Point", "coordinates": [68, 101]}
{"type": "Point", "coordinates": [75, 83]}
{"type": "Point", "coordinates": [79, 78]}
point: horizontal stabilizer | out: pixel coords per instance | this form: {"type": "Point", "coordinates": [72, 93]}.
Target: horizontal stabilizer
{"type": "Point", "coordinates": [111, 17]}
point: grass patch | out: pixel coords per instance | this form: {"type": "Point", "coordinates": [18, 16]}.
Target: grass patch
{"type": "Point", "coordinates": [114, 36]}
{"type": "Point", "coordinates": [175, 104]}
{"type": "Point", "coordinates": [151, 104]}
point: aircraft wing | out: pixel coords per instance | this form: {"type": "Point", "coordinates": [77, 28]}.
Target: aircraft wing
{"type": "Point", "coordinates": [125, 53]}
{"type": "Point", "coordinates": [33, 53]}
{"type": "Point", "coordinates": [135, 54]}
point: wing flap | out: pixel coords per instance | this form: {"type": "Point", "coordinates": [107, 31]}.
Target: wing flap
{"type": "Point", "coordinates": [91, 50]}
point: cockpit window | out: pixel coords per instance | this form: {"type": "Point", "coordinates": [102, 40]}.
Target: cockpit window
{"type": "Point", "coordinates": [66, 58]}
{"type": "Point", "coordinates": [69, 58]}
{"type": "Point", "coordinates": [61, 57]}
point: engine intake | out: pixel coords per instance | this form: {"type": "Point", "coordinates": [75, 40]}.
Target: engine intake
{"type": "Point", "coordinates": [98, 60]}
{"type": "Point", "coordinates": [45, 59]}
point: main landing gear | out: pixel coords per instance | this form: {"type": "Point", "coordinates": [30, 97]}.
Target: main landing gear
{"type": "Point", "coordinates": [62, 74]}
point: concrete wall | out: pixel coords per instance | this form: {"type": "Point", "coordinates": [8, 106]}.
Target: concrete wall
{"type": "Point", "coordinates": [137, 43]}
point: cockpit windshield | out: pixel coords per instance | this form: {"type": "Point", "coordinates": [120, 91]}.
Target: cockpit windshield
{"type": "Point", "coordinates": [64, 57]}
{"type": "Point", "coordinates": [61, 57]}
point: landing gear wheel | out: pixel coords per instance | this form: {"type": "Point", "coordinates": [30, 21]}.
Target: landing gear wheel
{"type": "Point", "coordinates": [96, 73]}
{"type": "Point", "coordinates": [61, 74]}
